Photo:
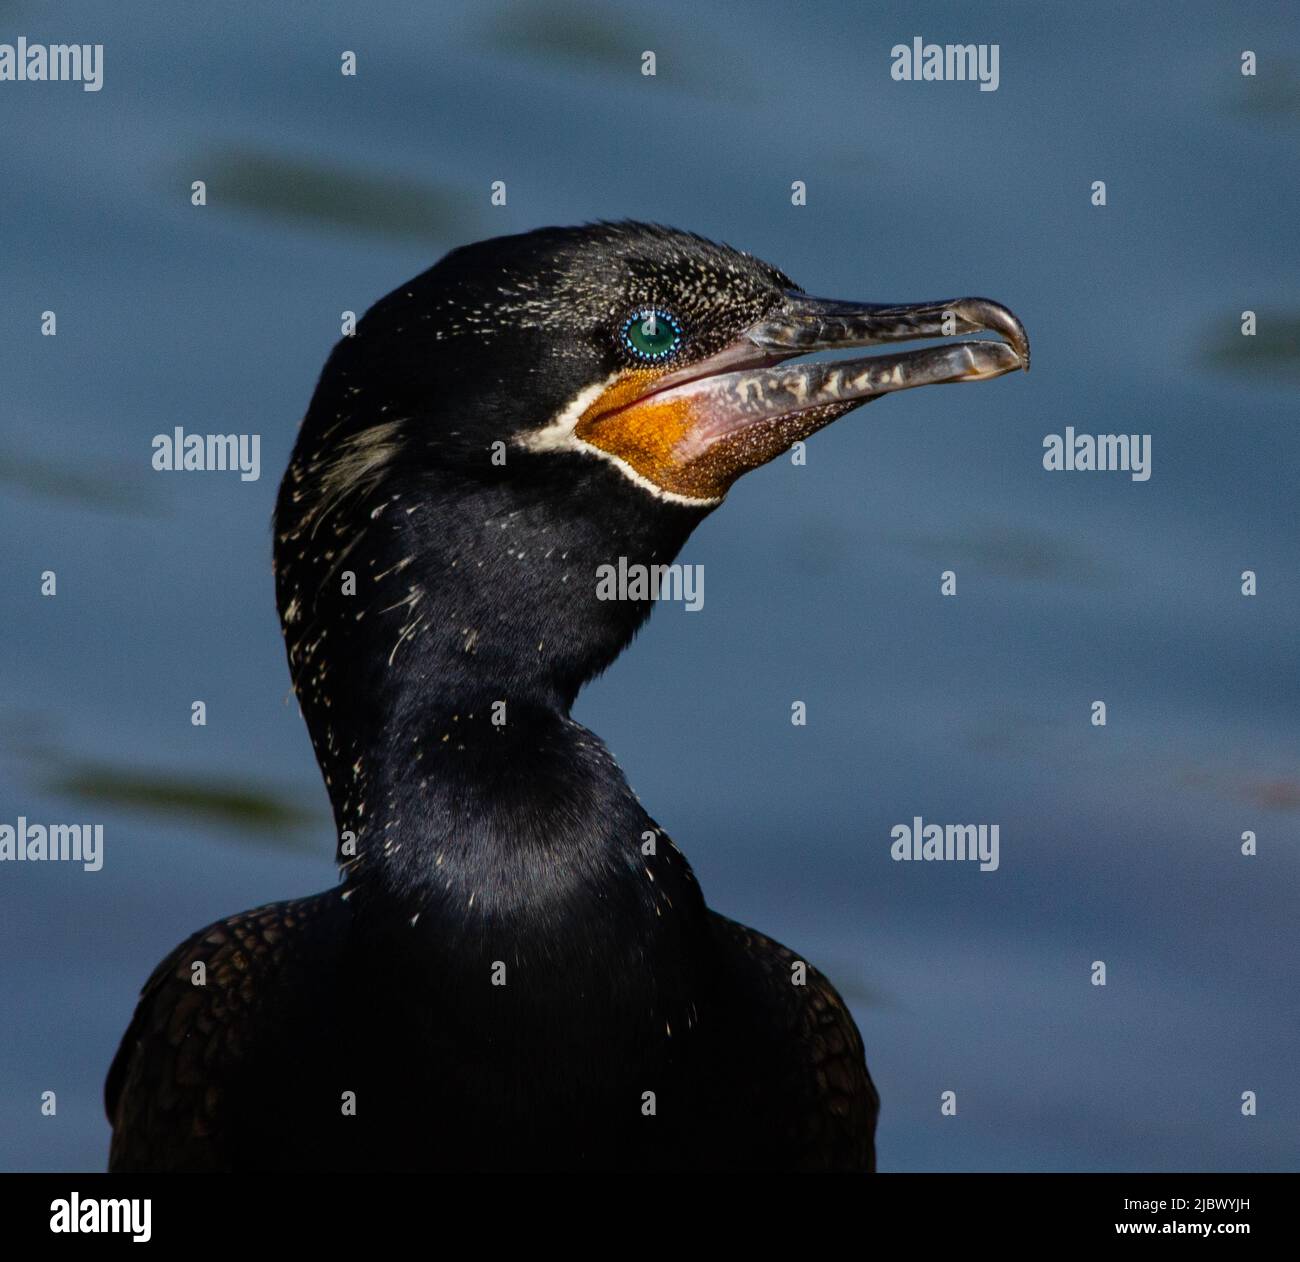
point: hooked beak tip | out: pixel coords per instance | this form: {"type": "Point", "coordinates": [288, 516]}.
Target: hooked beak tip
{"type": "Point", "coordinates": [982, 313]}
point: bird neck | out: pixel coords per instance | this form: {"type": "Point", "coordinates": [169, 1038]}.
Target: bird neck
{"type": "Point", "coordinates": [510, 872]}
{"type": "Point", "coordinates": [439, 624]}
{"type": "Point", "coordinates": [438, 629]}
{"type": "Point", "coordinates": [471, 823]}
{"type": "Point", "coordinates": [410, 605]}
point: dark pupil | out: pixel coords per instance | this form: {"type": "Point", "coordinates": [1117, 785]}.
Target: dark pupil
{"type": "Point", "coordinates": [651, 334]}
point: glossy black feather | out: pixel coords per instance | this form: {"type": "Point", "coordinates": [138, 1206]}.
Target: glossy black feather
{"type": "Point", "coordinates": [517, 960]}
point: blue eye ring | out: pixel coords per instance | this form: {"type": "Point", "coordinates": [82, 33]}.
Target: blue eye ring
{"type": "Point", "coordinates": [655, 347]}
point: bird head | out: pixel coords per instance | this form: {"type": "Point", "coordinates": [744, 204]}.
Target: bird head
{"type": "Point", "coordinates": [658, 352]}
{"type": "Point", "coordinates": [689, 384]}
{"type": "Point", "coordinates": [534, 406]}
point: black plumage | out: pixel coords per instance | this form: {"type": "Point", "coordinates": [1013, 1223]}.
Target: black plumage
{"type": "Point", "coordinates": [518, 969]}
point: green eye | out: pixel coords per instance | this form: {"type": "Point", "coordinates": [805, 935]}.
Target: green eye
{"type": "Point", "coordinates": [651, 334]}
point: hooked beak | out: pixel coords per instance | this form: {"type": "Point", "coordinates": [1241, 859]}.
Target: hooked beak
{"type": "Point", "coordinates": [722, 416]}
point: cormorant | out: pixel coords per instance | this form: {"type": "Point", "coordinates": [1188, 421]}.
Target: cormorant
{"type": "Point", "coordinates": [518, 969]}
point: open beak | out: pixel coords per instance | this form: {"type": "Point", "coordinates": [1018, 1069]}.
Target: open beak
{"type": "Point", "coordinates": [719, 417]}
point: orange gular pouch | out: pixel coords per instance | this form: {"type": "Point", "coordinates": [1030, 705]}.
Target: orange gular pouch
{"type": "Point", "coordinates": [644, 429]}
